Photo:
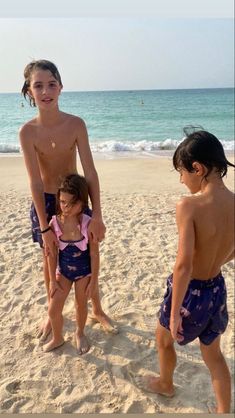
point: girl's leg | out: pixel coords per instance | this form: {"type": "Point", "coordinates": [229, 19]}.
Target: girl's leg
{"type": "Point", "coordinates": [81, 314]}
{"type": "Point", "coordinates": [220, 375]}
{"type": "Point", "coordinates": [167, 363]}
{"type": "Point", "coordinates": [55, 309]}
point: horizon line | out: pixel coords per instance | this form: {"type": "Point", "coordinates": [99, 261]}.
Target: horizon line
{"type": "Point", "coordinates": [131, 90]}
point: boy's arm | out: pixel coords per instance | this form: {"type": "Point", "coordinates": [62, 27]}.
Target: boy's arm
{"type": "Point", "coordinates": [230, 257]}
{"type": "Point", "coordinates": [95, 264]}
{"type": "Point", "coordinates": [184, 262]}
{"type": "Point", "coordinates": [96, 227]}
{"type": "Point", "coordinates": [36, 184]}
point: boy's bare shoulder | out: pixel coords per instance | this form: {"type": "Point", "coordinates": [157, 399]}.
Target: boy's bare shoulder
{"type": "Point", "coordinates": [186, 204]}
{"type": "Point", "coordinates": [76, 120]}
{"type": "Point", "coordinates": [27, 129]}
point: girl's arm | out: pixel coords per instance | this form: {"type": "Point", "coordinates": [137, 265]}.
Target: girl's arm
{"type": "Point", "coordinates": [95, 264]}
{"type": "Point", "coordinates": [184, 263]}
{"type": "Point", "coordinates": [96, 227]}
{"type": "Point", "coordinates": [36, 184]}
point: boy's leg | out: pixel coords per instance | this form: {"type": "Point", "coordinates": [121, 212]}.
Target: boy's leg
{"type": "Point", "coordinates": [99, 315]}
{"type": "Point", "coordinates": [83, 345]}
{"type": "Point", "coordinates": [55, 310]}
{"type": "Point", "coordinates": [45, 328]}
{"type": "Point", "coordinates": [163, 384]}
{"type": "Point", "coordinates": [220, 375]}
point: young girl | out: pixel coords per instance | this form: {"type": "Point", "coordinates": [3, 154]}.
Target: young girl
{"type": "Point", "coordinates": [194, 304]}
{"type": "Point", "coordinates": [76, 261]}
{"type": "Point", "coordinates": [50, 143]}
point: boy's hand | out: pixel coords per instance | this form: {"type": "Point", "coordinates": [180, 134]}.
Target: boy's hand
{"type": "Point", "coordinates": [50, 243]}
{"type": "Point", "coordinates": [176, 328]}
{"type": "Point", "coordinates": [55, 286]}
{"type": "Point", "coordinates": [96, 229]}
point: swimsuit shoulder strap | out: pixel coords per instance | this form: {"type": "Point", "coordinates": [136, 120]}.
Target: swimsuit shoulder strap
{"type": "Point", "coordinates": [84, 226]}
{"type": "Point", "coordinates": [55, 225]}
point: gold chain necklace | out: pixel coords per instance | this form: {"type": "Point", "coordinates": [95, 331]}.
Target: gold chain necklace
{"type": "Point", "coordinates": [52, 143]}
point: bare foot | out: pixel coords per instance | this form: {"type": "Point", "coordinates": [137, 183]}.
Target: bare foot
{"type": "Point", "coordinates": [82, 343]}
{"type": "Point", "coordinates": [106, 322]}
{"type": "Point", "coordinates": [154, 385]}
{"type": "Point", "coordinates": [52, 345]}
{"type": "Point", "coordinates": [44, 331]}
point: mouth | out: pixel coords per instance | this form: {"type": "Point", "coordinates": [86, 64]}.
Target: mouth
{"type": "Point", "coordinates": [47, 100]}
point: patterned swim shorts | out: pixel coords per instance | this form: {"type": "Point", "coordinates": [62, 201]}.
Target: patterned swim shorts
{"type": "Point", "coordinates": [204, 309]}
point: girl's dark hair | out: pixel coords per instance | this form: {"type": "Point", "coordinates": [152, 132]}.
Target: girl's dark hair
{"type": "Point", "coordinates": [203, 147]}
{"type": "Point", "coordinates": [38, 65]}
{"type": "Point", "coordinates": [75, 185]}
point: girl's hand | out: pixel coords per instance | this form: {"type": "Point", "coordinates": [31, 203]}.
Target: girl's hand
{"type": "Point", "coordinates": [176, 328]}
{"type": "Point", "coordinates": [50, 243]}
{"type": "Point", "coordinates": [96, 229]}
{"type": "Point", "coordinates": [90, 290]}
{"type": "Point", "coordinates": [55, 286]}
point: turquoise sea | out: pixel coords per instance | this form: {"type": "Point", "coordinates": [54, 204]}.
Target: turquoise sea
{"type": "Point", "coordinates": [131, 122]}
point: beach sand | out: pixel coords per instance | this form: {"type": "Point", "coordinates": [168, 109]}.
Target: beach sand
{"type": "Point", "coordinates": [138, 201]}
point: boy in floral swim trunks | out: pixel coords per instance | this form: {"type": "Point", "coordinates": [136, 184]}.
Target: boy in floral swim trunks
{"type": "Point", "coordinates": [194, 304]}
{"type": "Point", "coordinates": [51, 143]}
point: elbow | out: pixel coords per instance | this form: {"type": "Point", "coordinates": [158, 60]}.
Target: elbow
{"type": "Point", "coordinates": [36, 186]}
{"type": "Point", "coordinates": [183, 269]}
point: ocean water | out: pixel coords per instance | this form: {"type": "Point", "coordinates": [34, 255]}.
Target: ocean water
{"type": "Point", "coordinates": [131, 122]}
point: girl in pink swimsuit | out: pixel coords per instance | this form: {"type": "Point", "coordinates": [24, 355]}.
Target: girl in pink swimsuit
{"type": "Point", "coordinates": [76, 260]}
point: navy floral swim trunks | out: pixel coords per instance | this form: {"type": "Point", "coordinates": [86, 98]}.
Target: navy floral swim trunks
{"type": "Point", "coordinates": [204, 309]}
{"type": "Point", "coordinates": [50, 202]}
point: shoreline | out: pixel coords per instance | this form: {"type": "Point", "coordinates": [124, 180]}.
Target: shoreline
{"type": "Point", "coordinates": [123, 154]}
{"type": "Point", "coordinates": [129, 175]}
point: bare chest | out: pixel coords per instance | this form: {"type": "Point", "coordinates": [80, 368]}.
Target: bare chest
{"type": "Point", "coordinates": [55, 144]}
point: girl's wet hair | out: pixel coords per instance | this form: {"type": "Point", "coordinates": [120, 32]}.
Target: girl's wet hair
{"type": "Point", "coordinates": [203, 147]}
{"type": "Point", "coordinates": [75, 185]}
{"type": "Point", "coordinates": [38, 65]}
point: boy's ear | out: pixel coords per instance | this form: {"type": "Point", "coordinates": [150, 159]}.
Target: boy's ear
{"type": "Point", "coordinates": [30, 93]}
{"type": "Point", "coordinates": [198, 168]}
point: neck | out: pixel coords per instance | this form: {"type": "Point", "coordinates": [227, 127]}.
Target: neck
{"type": "Point", "coordinates": [49, 118]}
{"type": "Point", "coordinates": [213, 182]}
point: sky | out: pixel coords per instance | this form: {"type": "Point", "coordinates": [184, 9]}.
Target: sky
{"type": "Point", "coordinates": [120, 48]}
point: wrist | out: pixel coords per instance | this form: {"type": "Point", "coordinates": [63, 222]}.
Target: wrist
{"type": "Point", "coordinates": [96, 216]}
{"type": "Point", "coordinates": [45, 230]}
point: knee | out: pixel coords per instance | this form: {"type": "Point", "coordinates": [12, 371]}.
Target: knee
{"type": "Point", "coordinates": [163, 338]}
{"type": "Point", "coordinates": [81, 304]}
{"type": "Point", "coordinates": [53, 311]}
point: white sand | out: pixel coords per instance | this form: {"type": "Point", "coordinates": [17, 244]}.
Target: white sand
{"type": "Point", "coordinates": [138, 199]}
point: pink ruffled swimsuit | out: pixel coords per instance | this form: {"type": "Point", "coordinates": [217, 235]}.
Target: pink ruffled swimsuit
{"type": "Point", "coordinates": [74, 256]}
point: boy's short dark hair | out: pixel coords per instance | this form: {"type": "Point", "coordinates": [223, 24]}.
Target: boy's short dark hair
{"type": "Point", "coordinates": [38, 65]}
{"type": "Point", "coordinates": [203, 147]}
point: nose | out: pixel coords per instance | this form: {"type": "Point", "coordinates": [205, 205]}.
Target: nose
{"type": "Point", "coordinates": [44, 90]}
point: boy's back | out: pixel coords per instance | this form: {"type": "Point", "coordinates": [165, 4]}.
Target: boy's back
{"type": "Point", "coordinates": [212, 214]}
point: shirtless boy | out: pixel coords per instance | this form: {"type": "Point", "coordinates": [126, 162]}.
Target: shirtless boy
{"type": "Point", "coordinates": [50, 143]}
{"type": "Point", "coordinates": [194, 304]}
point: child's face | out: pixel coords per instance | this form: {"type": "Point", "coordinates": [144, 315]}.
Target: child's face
{"type": "Point", "coordinates": [44, 88]}
{"type": "Point", "coordinates": [67, 207]}
{"type": "Point", "coordinates": [191, 180]}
